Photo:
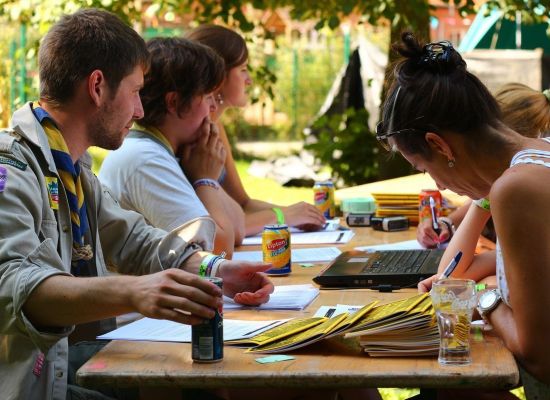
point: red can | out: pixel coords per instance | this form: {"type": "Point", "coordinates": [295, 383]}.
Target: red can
{"type": "Point", "coordinates": [424, 210]}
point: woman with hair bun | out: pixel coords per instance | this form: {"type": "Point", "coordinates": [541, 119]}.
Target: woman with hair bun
{"type": "Point", "coordinates": [444, 121]}
{"type": "Point", "coordinates": [525, 110]}
{"type": "Point", "coordinates": [232, 93]}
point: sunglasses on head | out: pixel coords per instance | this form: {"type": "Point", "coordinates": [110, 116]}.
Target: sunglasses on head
{"type": "Point", "coordinates": [383, 137]}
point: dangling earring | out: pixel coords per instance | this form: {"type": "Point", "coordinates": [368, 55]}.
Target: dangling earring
{"type": "Point", "coordinates": [219, 99]}
{"type": "Point", "coordinates": [451, 163]}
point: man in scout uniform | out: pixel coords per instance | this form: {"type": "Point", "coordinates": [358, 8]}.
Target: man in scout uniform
{"type": "Point", "coordinates": [59, 229]}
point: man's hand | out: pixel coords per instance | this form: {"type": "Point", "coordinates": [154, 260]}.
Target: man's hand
{"type": "Point", "coordinates": [245, 283]}
{"type": "Point", "coordinates": [428, 238]}
{"type": "Point", "coordinates": [206, 157]}
{"type": "Point", "coordinates": [304, 216]}
{"type": "Point", "coordinates": [176, 295]}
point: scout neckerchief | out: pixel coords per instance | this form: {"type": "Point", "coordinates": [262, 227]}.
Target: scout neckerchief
{"type": "Point", "coordinates": [155, 133]}
{"type": "Point", "coordinates": [70, 177]}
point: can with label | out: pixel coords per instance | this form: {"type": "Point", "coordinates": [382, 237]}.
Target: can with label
{"type": "Point", "coordinates": [207, 338]}
{"type": "Point", "coordinates": [323, 197]}
{"type": "Point", "coordinates": [276, 249]}
{"type": "Point", "coordinates": [424, 210]}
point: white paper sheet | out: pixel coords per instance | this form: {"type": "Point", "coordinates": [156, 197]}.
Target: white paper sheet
{"type": "Point", "coordinates": [316, 254]}
{"type": "Point", "coordinates": [158, 330]}
{"type": "Point", "coordinates": [406, 245]}
{"type": "Point", "coordinates": [284, 297]}
{"type": "Point", "coordinates": [338, 237]}
{"type": "Point", "coordinates": [330, 225]}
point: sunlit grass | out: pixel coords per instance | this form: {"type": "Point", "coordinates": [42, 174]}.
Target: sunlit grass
{"type": "Point", "coordinates": [270, 190]}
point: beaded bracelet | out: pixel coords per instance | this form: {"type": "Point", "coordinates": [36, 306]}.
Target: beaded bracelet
{"type": "Point", "coordinates": [210, 264]}
{"type": "Point", "coordinates": [206, 182]}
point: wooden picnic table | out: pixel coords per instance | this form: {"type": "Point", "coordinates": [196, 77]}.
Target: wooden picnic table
{"type": "Point", "coordinates": [155, 367]}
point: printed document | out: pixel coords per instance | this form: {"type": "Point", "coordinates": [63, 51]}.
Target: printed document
{"type": "Point", "coordinates": [160, 330]}
{"type": "Point", "coordinates": [338, 237]}
{"type": "Point", "coordinates": [316, 254]}
{"type": "Point", "coordinates": [284, 297]}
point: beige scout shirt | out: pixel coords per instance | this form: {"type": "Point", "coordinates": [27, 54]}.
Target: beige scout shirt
{"type": "Point", "coordinates": [35, 243]}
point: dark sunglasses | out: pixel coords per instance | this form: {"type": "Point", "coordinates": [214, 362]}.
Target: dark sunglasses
{"type": "Point", "coordinates": [383, 137]}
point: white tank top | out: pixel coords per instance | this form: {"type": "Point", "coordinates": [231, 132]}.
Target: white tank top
{"type": "Point", "coordinates": [529, 156]}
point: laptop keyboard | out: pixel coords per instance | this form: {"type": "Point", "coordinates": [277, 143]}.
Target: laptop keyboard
{"type": "Point", "coordinates": [408, 261]}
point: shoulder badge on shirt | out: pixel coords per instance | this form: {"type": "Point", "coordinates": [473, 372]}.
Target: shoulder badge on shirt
{"type": "Point", "coordinates": [13, 163]}
{"type": "Point", "coordinates": [53, 191]}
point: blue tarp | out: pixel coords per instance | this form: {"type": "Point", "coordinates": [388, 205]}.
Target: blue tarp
{"type": "Point", "coordinates": [492, 31]}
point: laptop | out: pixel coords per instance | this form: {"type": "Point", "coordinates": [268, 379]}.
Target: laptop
{"type": "Point", "coordinates": [382, 270]}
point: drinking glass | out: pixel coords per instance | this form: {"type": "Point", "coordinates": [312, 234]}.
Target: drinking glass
{"type": "Point", "coordinates": [454, 301]}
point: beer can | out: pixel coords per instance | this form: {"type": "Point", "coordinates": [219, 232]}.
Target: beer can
{"type": "Point", "coordinates": [276, 249]}
{"type": "Point", "coordinates": [207, 338]}
{"type": "Point", "coordinates": [424, 210]}
{"type": "Point", "coordinates": [323, 197]}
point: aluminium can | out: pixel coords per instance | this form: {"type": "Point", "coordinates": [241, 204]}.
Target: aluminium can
{"type": "Point", "coordinates": [323, 197]}
{"type": "Point", "coordinates": [276, 249]}
{"type": "Point", "coordinates": [207, 338]}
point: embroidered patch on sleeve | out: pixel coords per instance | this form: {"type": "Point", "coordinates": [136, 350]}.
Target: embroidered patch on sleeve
{"type": "Point", "coordinates": [53, 191]}
{"type": "Point", "coordinates": [3, 178]}
{"type": "Point", "coordinates": [13, 163]}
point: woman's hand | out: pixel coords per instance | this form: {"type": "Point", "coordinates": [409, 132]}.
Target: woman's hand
{"type": "Point", "coordinates": [206, 157]}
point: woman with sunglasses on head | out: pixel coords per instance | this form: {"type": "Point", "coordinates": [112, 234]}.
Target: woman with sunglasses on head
{"type": "Point", "coordinates": [233, 93]}
{"type": "Point", "coordinates": [525, 110]}
{"type": "Point", "coordinates": [444, 121]}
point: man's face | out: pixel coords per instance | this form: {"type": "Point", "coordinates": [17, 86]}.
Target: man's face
{"type": "Point", "coordinates": [118, 113]}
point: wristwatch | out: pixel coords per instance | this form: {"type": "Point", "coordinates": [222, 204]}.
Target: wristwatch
{"type": "Point", "coordinates": [487, 302]}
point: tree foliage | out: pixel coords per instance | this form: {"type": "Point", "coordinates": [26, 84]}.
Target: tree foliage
{"type": "Point", "coordinates": [397, 14]}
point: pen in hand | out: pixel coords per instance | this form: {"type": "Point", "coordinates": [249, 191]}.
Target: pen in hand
{"type": "Point", "coordinates": [452, 265]}
{"type": "Point", "coordinates": [435, 224]}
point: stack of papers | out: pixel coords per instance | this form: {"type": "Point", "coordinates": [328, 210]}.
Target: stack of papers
{"type": "Point", "coordinates": [391, 204]}
{"type": "Point", "coordinates": [318, 254]}
{"type": "Point", "coordinates": [400, 328]}
{"type": "Point", "coordinates": [284, 297]}
{"type": "Point", "coordinates": [159, 330]}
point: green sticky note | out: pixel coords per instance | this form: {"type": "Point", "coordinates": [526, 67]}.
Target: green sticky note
{"type": "Point", "coordinates": [306, 265]}
{"type": "Point", "coordinates": [275, 358]}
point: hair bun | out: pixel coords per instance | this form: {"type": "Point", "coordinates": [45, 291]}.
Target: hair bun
{"type": "Point", "coordinates": [438, 57]}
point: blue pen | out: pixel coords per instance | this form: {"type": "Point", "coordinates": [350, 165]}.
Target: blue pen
{"type": "Point", "coordinates": [452, 265]}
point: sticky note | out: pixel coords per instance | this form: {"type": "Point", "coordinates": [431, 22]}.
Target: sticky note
{"type": "Point", "coordinates": [274, 358]}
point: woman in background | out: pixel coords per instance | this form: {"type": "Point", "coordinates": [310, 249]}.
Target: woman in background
{"type": "Point", "coordinates": [233, 93]}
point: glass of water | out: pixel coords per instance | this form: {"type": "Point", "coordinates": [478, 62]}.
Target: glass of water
{"type": "Point", "coordinates": [454, 301]}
